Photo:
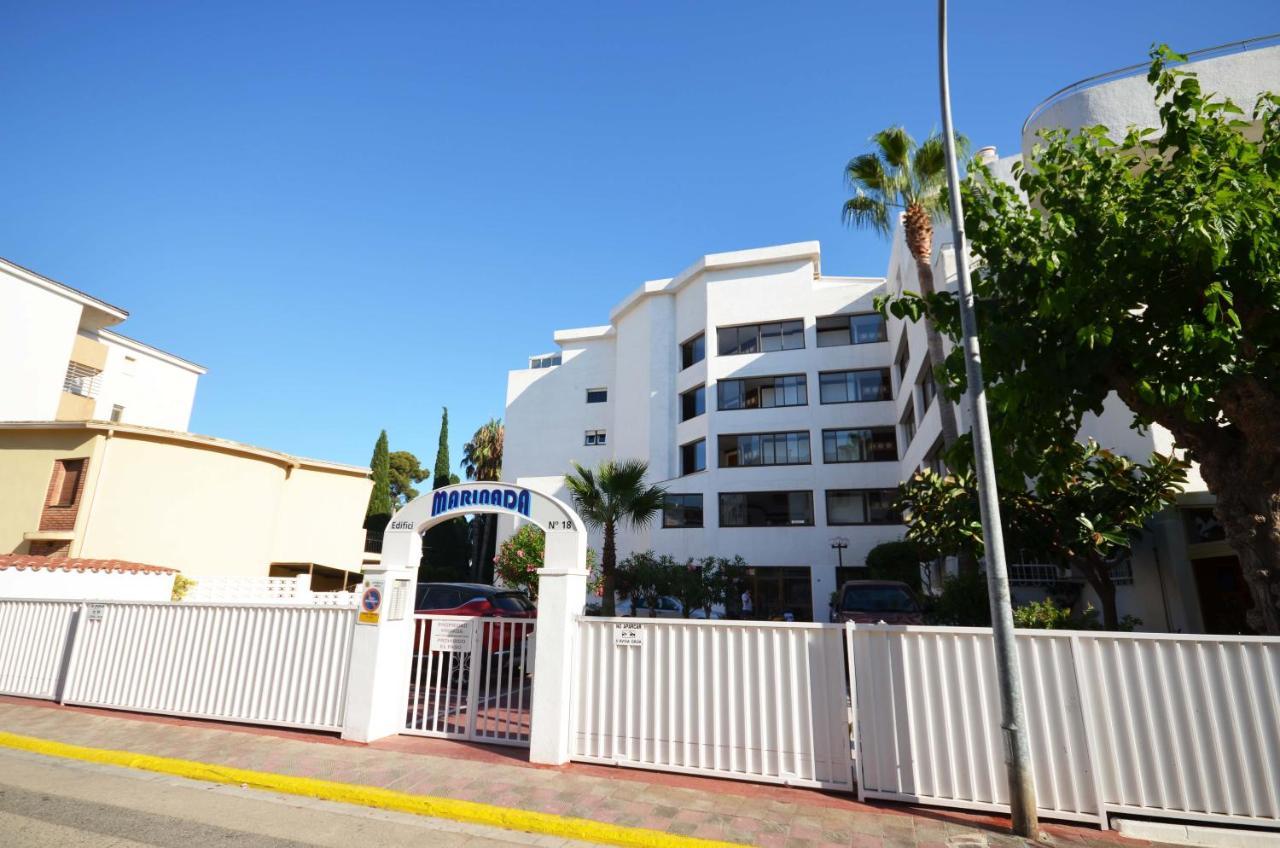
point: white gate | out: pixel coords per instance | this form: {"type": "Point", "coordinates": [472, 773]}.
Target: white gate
{"type": "Point", "coordinates": [471, 679]}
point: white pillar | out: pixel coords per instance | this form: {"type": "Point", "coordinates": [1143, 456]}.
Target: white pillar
{"type": "Point", "coordinates": [378, 682]}
{"type": "Point", "coordinates": [562, 590]}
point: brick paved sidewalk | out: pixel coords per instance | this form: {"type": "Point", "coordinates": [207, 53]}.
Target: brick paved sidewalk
{"type": "Point", "coordinates": [732, 811]}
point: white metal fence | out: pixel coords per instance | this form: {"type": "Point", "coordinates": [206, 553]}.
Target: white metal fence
{"type": "Point", "coordinates": [1176, 726]}
{"type": "Point", "coordinates": [470, 679]}
{"type": "Point", "coordinates": [33, 639]}
{"type": "Point", "coordinates": [248, 663]}
{"type": "Point", "coordinates": [747, 700]}
{"type": "Point", "coordinates": [265, 590]}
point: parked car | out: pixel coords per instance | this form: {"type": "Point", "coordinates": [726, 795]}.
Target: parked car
{"type": "Point", "coordinates": [474, 600]}
{"type": "Point", "coordinates": [877, 601]}
{"type": "Point", "coordinates": [667, 607]}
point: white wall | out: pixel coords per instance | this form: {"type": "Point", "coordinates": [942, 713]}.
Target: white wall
{"type": "Point", "coordinates": [154, 389]}
{"type": "Point", "coordinates": [37, 331]}
{"type": "Point", "coordinates": [85, 585]}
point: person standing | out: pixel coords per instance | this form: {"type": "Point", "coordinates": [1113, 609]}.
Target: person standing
{"type": "Point", "coordinates": [748, 611]}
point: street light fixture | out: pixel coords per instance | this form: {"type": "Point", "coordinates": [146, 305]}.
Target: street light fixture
{"type": "Point", "coordinates": [838, 544]}
{"type": "Point", "coordinates": [1022, 789]}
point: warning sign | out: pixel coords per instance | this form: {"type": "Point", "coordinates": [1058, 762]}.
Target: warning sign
{"type": "Point", "coordinates": [451, 636]}
{"type": "Point", "coordinates": [370, 605]}
{"type": "Point", "coordinates": [628, 635]}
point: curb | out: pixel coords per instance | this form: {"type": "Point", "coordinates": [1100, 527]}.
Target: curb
{"type": "Point", "coordinates": [473, 812]}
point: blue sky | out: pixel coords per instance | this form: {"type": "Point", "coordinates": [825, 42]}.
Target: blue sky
{"type": "Point", "coordinates": [355, 214]}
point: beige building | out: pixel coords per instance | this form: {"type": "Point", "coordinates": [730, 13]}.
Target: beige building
{"type": "Point", "coordinates": [204, 506]}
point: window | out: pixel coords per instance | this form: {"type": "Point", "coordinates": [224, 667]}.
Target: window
{"type": "Point", "coordinates": [117, 412]}
{"type": "Point", "coordinates": [757, 338]}
{"type": "Point", "coordinates": [869, 506]}
{"type": "Point", "coordinates": [743, 449]}
{"type": "Point", "coordinates": [67, 476]}
{"type": "Point", "coordinates": [854, 386]}
{"type": "Point", "coordinates": [597, 395]}
{"type": "Point", "coordinates": [870, 444]}
{"type": "Point", "coordinates": [904, 357]}
{"type": "Point", "coordinates": [682, 511]}
{"type": "Point", "coordinates": [766, 509]}
{"type": "Point", "coordinates": [928, 386]}
{"type": "Point", "coordinates": [693, 351]}
{"type": "Point", "coordinates": [863, 328]}
{"type": "Point", "coordinates": [908, 423]}
{"type": "Point", "coordinates": [594, 437]}
{"type": "Point", "coordinates": [762, 392]}
{"type": "Point", "coordinates": [693, 403]}
{"type": "Point", "coordinates": [933, 459]}
{"type": "Point", "coordinates": [873, 598]}
{"type": "Point", "coordinates": [693, 457]}
{"type": "Point", "coordinates": [549, 360]}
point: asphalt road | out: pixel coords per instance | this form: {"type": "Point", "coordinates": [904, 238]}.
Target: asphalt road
{"type": "Point", "coordinates": [47, 802]}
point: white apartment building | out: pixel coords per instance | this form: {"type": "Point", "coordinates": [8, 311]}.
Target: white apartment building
{"type": "Point", "coordinates": [780, 412]}
{"type": "Point", "coordinates": [65, 364]}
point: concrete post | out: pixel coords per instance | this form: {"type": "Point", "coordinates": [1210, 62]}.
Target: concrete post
{"type": "Point", "coordinates": [381, 652]}
{"type": "Point", "coordinates": [562, 590]}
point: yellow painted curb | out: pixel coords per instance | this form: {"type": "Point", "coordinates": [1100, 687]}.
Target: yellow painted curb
{"type": "Point", "coordinates": [509, 818]}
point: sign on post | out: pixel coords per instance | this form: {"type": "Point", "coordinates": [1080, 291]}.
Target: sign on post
{"type": "Point", "coordinates": [628, 635]}
{"type": "Point", "coordinates": [370, 604]}
{"type": "Point", "coordinates": [96, 611]}
{"type": "Point", "coordinates": [451, 636]}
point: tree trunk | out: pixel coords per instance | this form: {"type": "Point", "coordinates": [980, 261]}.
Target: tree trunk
{"type": "Point", "coordinates": [1100, 580]}
{"type": "Point", "coordinates": [608, 569]}
{"type": "Point", "coordinates": [490, 548]}
{"type": "Point", "coordinates": [1249, 510]}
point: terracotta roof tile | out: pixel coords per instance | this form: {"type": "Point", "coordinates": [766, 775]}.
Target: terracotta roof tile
{"type": "Point", "coordinates": [22, 561]}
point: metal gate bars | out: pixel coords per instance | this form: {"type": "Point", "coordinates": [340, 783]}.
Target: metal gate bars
{"type": "Point", "coordinates": [471, 679]}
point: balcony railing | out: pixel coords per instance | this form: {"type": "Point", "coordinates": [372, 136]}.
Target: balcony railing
{"type": "Point", "coordinates": [1133, 70]}
{"type": "Point", "coordinates": [82, 380]}
{"type": "Point", "coordinates": [372, 543]}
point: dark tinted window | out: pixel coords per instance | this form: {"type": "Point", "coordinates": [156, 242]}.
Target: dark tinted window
{"type": "Point", "coordinates": [863, 328]}
{"type": "Point", "coordinates": [511, 602]}
{"type": "Point", "coordinates": [877, 599]}
{"type": "Point", "coordinates": [597, 395]}
{"type": "Point", "coordinates": [693, 403]}
{"type": "Point", "coordinates": [854, 386]}
{"type": "Point", "coordinates": [742, 449]}
{"type": "Point", "coordinates": [442, 597]}
{"type": "Point", "coordinates": [763, 392]}
{"type": "Point", "coordinates": [872, 444]}
{"type": "Point", "coordinates": [694, 350]}
{"type": "Point", "coordinates": [867, 506]}
{"type": "Point", "coordinates": [682, 511]}
{"type": "Point", "coordinates": [755, 338]}
{"type": "Point", "coordinates": [766, 509]}
{"type": "Point", "coordinates": [693, 456]}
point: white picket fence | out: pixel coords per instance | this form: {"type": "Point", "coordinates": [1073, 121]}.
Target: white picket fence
{"type": "Point", "coordinates": [746, 700]}
{"type": "Point", "coordinates": [265, 590]}
{"type": "Point", "coordinates": [1184, 727]}
{"type": "Point", "coordinates": [248, 663]}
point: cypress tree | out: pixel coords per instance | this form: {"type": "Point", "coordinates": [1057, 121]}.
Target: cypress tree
{"type": "Point", "coordinates": [441, 475]}
{"type": "Point", "coordinates": [380, 508]}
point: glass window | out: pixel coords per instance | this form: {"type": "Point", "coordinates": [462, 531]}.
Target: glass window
{"type": "Point", "coordinates": [594, 437]}
{"type": "Point", "coordinates": [928, 386]}
{"type": "Point", "coordinates": [693, 403]}
{"type": "Point", "coordinates": [868, 327]}
{"type": "Point", "coordinates": [766, 509]}
{"type": "Point", "coordinates": [597, 395]}
{"type": "Point", "coordinates": [834, 330]}
{"type": "Point", "coordinates": [550, 360]}
{"type": "Point", "coordinates": [904, 357]}
{"type": "Point", "coordinates": [693, 457]}
{"type": "Point", "coordinates": [762, 392]}
{"type": "Point", "coordinates": [877, 599]}
{"type": "Point", "coordinates": [908, 423]}
{"type": "Point", "coordinates": [753, 338]}
{"type": "Point", "coordinates": [869, 506]}
{"type": "Point", "coordinates": [694, 350]}
{"type": "Point", "coordinates": [854, 386]}
{"type": "Point", "coordinates": [869, 444]}
{"type": "Point", "coordinates": [682, 510]}
{"type": "Point", "coordinates": [745, 449]}
{"type": "Point", "coordinates": [512, 602]}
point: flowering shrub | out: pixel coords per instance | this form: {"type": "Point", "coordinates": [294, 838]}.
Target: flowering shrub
{"type": "Point", "coordinates": [519, 558]}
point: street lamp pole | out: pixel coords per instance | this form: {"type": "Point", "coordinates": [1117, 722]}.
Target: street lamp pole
{"type": "Point", "coordinates": [839, 543]}
{"type": "Point", "coordinates": [1022, 790]}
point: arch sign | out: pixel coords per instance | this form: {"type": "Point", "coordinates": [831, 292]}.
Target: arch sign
{"type": "Point", "coordinates": [566, 541]}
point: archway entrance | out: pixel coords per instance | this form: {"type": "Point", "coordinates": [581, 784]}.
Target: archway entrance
{"type": "Point", "coordinates": [471, 675]}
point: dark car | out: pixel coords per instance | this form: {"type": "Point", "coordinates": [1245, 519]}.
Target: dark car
{"type": "Point", "coordinates": [875, 601]}
{"type": "Point", "coordinates": [479, 601]}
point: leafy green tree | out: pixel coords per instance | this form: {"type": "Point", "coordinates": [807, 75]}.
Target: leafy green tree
{"type": "Point", "coordinates": [521, 555]}
{"type": "Point", "coordinates": [1145, 266]}
{"type": "Point", "coordinates": [613, 494]}
{"type": "Point", "coordinates": [445, 548]}
{"type": "Point", "coordinates": [898, 560]}
{"type": "Point", "coordinates": [903, 176]}
{"type": "Point", "coordinates": [1082, 519]}
{"type": "Point", "coordinates": [482, 460]}
{"type": "Point", "coordinates": [380, 506]}
{"type": "Point", "coordinates": [405, 471]}
{"type": "Point", "coordinates": [442, 476]}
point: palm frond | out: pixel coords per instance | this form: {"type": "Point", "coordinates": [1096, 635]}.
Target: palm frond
{"type": "Point", "coordinates": [895, 145]}
{"type": "Point", "coordinates": [866, 173]}
{"type": "Point", "coordinates": [866, 212]}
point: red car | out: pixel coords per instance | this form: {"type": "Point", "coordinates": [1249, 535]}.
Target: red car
{"type": "Point", "coordinates": [479, 601]}
{"type": "Point", "coordinates": [875, 601]}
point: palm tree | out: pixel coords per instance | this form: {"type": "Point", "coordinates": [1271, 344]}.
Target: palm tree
{"type": "Point", "coordinates": [611, 495]}
{"type": "Point", "coordinates": [903, 175]}
{"type": "Point", "coordinates": [482, 460]}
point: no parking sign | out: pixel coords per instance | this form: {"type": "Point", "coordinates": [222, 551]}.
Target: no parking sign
{"type": "Point", "coordinates": [371, 604]}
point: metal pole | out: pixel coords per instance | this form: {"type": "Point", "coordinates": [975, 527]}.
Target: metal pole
{"type": "Point", "coordinates": [1022, 789]}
